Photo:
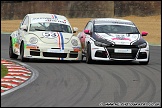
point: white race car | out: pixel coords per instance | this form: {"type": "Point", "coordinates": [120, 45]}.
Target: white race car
{"type": "Point", "coordinates": [45, 36]}
{"type": "Point", "coordinates": [111, 39]}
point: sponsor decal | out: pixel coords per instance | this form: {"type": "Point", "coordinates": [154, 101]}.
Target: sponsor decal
{"type": "Point", "coordinates": [14, 40]}
{"type": "Point", "coordinates": [54, 18]}
{"type": "Point", "coordinates": [16, 45]}
{"type": "Point", "coordinates": [62, 21]}
{"type": "Point", "coordinates": [121, 37]}
{"type": "Point", "coordinates": [37, 20]}
{"type": "Point", "coordinates": [31, 46]}
{"type": "Point", "coordinates": [55, 50]}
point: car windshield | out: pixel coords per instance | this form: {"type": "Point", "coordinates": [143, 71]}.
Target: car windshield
{"type": "Point", "coordinates": [116, 29]}
{"type": "Point", "coordinates": [45, 26]}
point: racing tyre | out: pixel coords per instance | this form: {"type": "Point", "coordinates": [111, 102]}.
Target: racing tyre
{"type": "Point", "coordinates": [88, 54]}
{"type": "Point", "coordinates": [11, 53]}
{"type": "Point", "coordinates": [22, 54]}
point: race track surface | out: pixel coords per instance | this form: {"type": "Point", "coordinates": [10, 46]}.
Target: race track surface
{"type": "Point", "coordinates": [70, 84]}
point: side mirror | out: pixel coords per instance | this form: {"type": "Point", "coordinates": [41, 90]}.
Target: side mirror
{"type": "Point", "coordinates": [144, 33]}
{"type": "Point", "coordinates": [87, 31]}
{"type": "Point", "coordinates": [75, 29]}
{"type": "Point", "coordinates": [24, 27]}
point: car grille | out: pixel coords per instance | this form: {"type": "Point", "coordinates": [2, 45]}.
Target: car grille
{"type": "Point", "coordinates": [61, 55]}
{"type": "Point", "coordinates": [123, 55]}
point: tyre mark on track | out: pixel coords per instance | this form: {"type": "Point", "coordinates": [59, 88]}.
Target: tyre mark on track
{"type": "Point", "coordinates": [154, 69]}
{"type": "Point", "coordinates": [72, 97]}
{"type": "Point", "coordinates": [65, 81]}
{"type": "Point", "coordinates": [118, 95]}
{"type": "Point", "coordinates": [101, 83]}
{"type": "Point", "coordinates": [146, 84]}
{"type": "Point", "coordinates": [87, 86]}
{"type": "Point", "coordinates": [123, 88]}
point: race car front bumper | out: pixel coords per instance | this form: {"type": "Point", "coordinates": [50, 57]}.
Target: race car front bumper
{"type": "Point", "coordinates": [51, 52]}
{"type": "Point", "coordinates": [120, 52]}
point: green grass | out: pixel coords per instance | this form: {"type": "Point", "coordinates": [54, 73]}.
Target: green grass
{"type": "Point", "coordinates": [4, 71]}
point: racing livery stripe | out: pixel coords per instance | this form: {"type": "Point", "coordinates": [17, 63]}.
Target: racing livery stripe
{"type": "Point", "coordinates": [136, 40]}
{"type": "Point", "coordinates": [52, 16]}
{"type": "Point", "coordinates": [62, 43]}
{"type": "Point", "coordinates": [55, 16]}
{"type": "Point", "coordinates": [58, 42]}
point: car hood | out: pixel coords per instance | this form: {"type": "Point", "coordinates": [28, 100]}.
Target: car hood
{"type": "Point", "coordinates": [123, 39]}
{"type": "Point", "coordinates": [53, 37]}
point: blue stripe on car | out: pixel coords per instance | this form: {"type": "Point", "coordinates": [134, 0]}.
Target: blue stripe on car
{"type": "Point", "coordinates": [62, 43]}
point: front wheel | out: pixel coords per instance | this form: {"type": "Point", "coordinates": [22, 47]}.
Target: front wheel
{"type": "Point", "coordinates": [88, 54]}
{"type": "Point", "coordinates": [11, 53]}
{"type": "Point", "coordinates": [22, 54]}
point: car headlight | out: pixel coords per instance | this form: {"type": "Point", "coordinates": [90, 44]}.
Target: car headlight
{"type": "Point", "coordinates": [33, 40]}
{"type": "Point", "coordinates": [100, 44]}
{"type": "Point", "coordinates": [142, 45]}
{"type": "Point", "coordinates": [74, 42]}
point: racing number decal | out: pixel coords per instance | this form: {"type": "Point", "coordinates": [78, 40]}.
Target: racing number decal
{"type": "Point", "coordinates": [50, 35]}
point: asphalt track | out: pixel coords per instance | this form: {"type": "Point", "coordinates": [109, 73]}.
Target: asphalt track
{"type": "Point", "coordinates": [70, 84]}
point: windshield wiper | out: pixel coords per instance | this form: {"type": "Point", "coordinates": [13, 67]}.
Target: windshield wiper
{"type": "Point", "coordinates": [57, 30]}
{"type": "Point", "coordinates": [132, 33]}
{"type": "Point", "coordinates": [39, 29]}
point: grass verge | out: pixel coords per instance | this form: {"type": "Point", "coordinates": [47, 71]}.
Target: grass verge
{"type": "Point", "coordinates": [4, 71]}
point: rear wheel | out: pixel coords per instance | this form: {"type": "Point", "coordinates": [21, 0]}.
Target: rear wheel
{"type": "Point", "coordinates": [88, 54]}
{"type": "Point", "coordinates": [11, 53]}
{"type": "Point", "coordinates": [22, 54]}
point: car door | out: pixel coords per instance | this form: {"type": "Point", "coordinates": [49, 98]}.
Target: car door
{"type": "Point", "coordinates": [87, 36]}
